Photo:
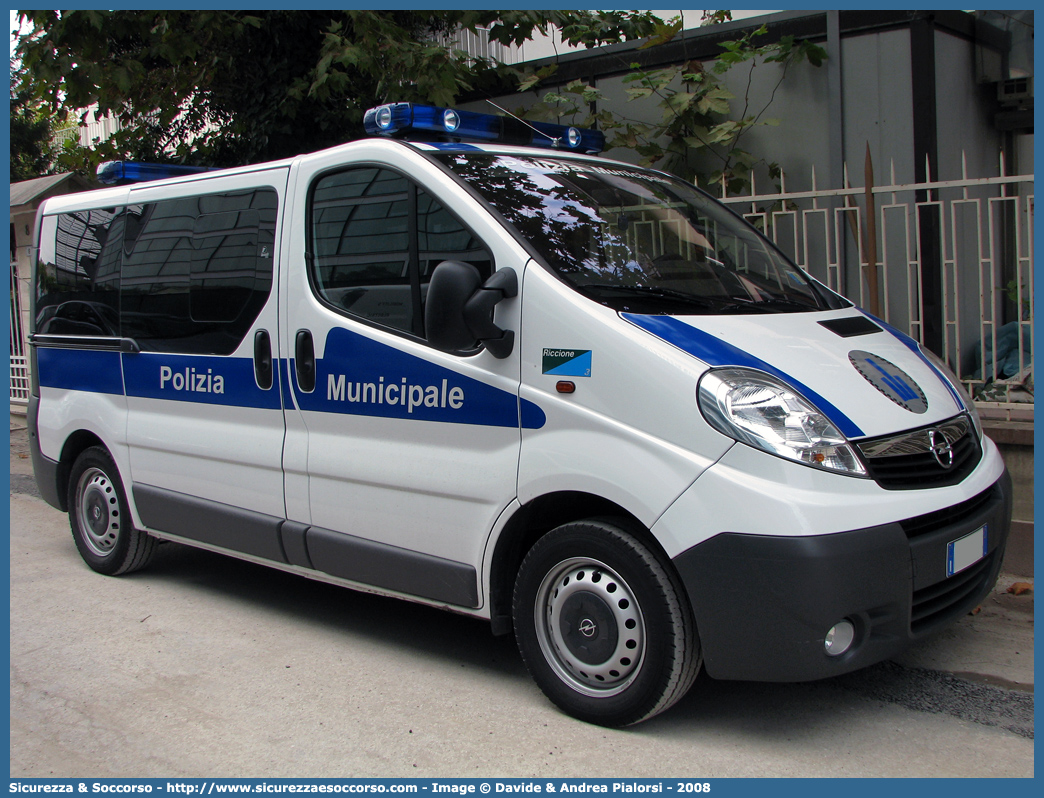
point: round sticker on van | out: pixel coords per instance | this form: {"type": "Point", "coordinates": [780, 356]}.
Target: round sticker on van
{"type": "Point", "coordinates": [890, 380]}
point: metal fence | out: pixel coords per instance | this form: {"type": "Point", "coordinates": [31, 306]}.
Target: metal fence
{"type": "Point", "coordinates": [975, 234]}
{"type": "Point", "coordinates": [19, 361]}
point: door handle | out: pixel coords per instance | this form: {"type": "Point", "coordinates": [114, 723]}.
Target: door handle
{"type": "Point", "coordinates": [304, 357]}
{"type": "Point", "coordinates": [263, 359]}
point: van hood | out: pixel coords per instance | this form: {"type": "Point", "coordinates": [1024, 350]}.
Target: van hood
{"type": "Point", "coordinates": [868, 378]}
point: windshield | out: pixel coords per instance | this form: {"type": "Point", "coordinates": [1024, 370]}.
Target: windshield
{"type": "Point", "coordinates": [637, 241]}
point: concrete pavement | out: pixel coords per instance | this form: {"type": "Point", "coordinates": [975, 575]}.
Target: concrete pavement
{"type": "Point", "coordinates": [993, 646]}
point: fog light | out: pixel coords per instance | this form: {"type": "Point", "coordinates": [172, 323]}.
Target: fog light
{"type": "Point", "coordinates": [839, 639]}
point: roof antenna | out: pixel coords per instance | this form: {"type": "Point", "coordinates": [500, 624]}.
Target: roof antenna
{"type": "Point", "coordinates": [556, 142]}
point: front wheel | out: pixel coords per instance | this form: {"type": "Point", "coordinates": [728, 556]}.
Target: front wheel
{"type": "Point", "coordinates": [101, 524]}
{"type": "Point", "coordinates": [603, 626]}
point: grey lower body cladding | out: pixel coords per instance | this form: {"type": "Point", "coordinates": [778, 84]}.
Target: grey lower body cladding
{"type": "Point", "coordinates": [286, 542]}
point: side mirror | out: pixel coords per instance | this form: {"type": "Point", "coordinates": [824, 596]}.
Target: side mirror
{"type": "Point", "coordinates": [458, 312]}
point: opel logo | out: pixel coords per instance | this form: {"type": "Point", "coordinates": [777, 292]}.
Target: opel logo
{"type": "Point", "coordinates": [940, 448]}
{"type": "Point", "coordinates": [588, 628]}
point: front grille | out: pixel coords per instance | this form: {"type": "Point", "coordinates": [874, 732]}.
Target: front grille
{"type": "Point", "coordinates": [937, 603]}
{"type": "Point", "coordinates": [948, 516]}
{"type": "Point", "coordinates": [908, 461]}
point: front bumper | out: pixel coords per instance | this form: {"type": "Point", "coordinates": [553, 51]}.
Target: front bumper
{"type": "Point", "coordinates": [763, 604]}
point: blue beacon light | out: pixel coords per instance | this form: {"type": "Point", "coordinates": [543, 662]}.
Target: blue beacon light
{"type": "Point", "coordinates": [430, 122]}
{"type": "Point", "coordinates": [118, 173]}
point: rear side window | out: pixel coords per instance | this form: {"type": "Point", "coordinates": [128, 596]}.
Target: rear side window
{"type": "Point", "coordinates": [78, 273]}
{"type": "Point", "coordinates": [197, 271]}
{"type": "Point", "coordinates": [375, 238]}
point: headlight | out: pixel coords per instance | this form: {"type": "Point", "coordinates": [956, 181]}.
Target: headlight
{"type": "Point", "coordinates": [757, 409]}
{"type": "Point", "coordinates": [948, 375]}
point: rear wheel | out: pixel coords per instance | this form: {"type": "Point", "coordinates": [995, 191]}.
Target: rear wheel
{"type": "Point", "coordinates": [99, 519]}
{"type": "Point", "coordinates": [603, 625]}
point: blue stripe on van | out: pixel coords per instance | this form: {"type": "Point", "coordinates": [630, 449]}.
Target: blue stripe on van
{"type": "Point", "coordinates": [80, 370]}
{"type": "Point", "coordinates": [715, 352]}
{"type": "Point", "coordinates": [360, 376]}
{"type": "Point", "coordinates": [353, 360]}
{"type": "Point", "coordinates": [202, 379]}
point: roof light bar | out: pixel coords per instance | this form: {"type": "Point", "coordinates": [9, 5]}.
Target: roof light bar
{"type": "Point", "coordinates": [426, 122]}
{"type": "Point", "coordinates": [118, 173]}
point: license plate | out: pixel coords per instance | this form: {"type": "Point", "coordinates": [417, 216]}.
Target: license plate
{"type": "Point", "coordinates": [966, 551]}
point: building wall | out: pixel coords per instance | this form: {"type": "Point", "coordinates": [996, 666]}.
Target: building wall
{"type": "Point", "coordinates": [878, 105]}
{"type": "Point", "coordinates": [964, 112]}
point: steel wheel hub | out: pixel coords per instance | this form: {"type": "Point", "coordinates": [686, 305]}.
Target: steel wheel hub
{"type": "Point", "coordinates": [99, 511]}
{"type": "Point", "coordinates": [590, 627]}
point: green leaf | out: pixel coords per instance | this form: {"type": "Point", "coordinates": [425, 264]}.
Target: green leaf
{"type": "Point", "coordinates": [718, 134]}
{"type": "Point", "coordinates": [680, 101]}
{"type": "Point", "coordinates": [123, 79]}
{"type": "Point", "coordinates": [324, 64]}
{"type": "Point", "coordinates": [652, 151]}
{"type": "Point", "coordinates": [744, 159]}
{"type": "Point", "coordinates": [715, 101]}
{"type": "Point", "coordinates": [318, 83]}
{"type": "Point", "coordinates": [535, 78]}
{"type": "Point", "coordinates": [663, 33]}
{"type": "Point", "coordinates": [815, 54]}
{"type": "Point", "coordinates": [95, 18]}
{"type": "Point", "coordinates": [625, 138]}
{"type": "Point", "coordinates": [529, 82]}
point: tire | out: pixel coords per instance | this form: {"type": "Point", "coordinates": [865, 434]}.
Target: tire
{"type": "Point", "coordinates": [603, 625]}
{"type": "Point", "coordinates": [101, 524]}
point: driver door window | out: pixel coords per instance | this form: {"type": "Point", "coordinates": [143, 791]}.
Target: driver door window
{"type": "Point", "coordinates": [375, 239]}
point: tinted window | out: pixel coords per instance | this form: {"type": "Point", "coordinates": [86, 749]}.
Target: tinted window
{"type": "Point", "coordinates": [442, 237]}
{"type": "Point", "coordinates": [78, 277]}
{"type": "Point", "coordinates": [223, 271]}
{"type": "Point", "coordinates": [197, 271]}
{"type": "Point", "coordinates": [375, 239]}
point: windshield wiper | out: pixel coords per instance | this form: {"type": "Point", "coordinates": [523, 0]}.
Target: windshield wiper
{"type": "Point", "coordinates": [657, 293]}
{"type": "Point", "coordinates": [719, 304]}
{"type": "Point", "coordinates": [773, 305]}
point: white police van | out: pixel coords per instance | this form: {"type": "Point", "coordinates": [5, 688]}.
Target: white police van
{"type": "Point", "coordinates": [575, 397]}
